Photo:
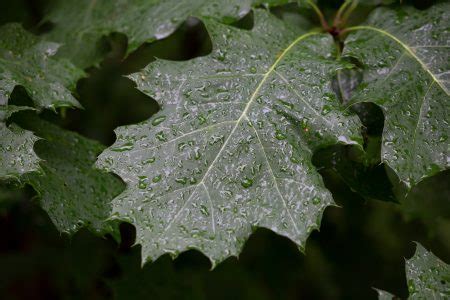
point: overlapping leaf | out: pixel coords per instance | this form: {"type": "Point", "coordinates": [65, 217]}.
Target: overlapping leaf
{"type": "Point", "coordinates": [428, 277]}
{"type": "Point", "coordinates": [231, 148]}
{"type": "Point", "coordinates": [406, 57]}
{"type": "Point", "coordinates": [27, 61]}
{"type": "Point", "coordinates": [79, 25]}
{"type": "Point", "coordinates": [16, 151]}
{"type": "Point", "coordinates": [71, 191]}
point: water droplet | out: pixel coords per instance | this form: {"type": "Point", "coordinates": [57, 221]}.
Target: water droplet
{"type": "Point", "coordinates": [221, 55]}
{"type": "Point", "coordinates": [125, 147]}
{"type": "Point", "coordinates": [182, 180]}
{"type": "Point", "coordinates": [204, 210]}
{"type": "Point", "coordinates": [411, 287]}
{"type": "Point", "coordinates": [158, 120]}
{"type": "Point", "coordinates": [286, 104]}
{"type": "Point", "coordinates": [247, 182]}
{"type": "Point", "coordinates": [326, 109]}
{"type": "Point", "coordinates": [198, 155]}
{"type": "Point", "coordinates": [295, 160]}
{"type": "Point", "coordinates": [149, 161]}
{"type": "Point", "coordinates": [316, 200]}
{"type": "Point", "coordinates": [201, 119]}
{"type": "Point", "coordinates": [280, 136]}
{"type": "Point", "coordinates": [182, 145]}
{"type": "Point", "coordinates": [161, 136]}
{"type": "Point", "coordinates": [157, 178]}
{"type": "Point", "coordinates": [142, 184]}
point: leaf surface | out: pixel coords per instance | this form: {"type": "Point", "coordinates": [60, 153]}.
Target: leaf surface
{"type": "Point", "coordinates": [428, 277]}
{"type": "Point", "coordinates": [79, 25]}
{"type": "Point", "coordinates": [16, 151]}
{"type": "Point", "coordinates": [231, 147]}
{"type": "Point", "coordinates": [27, 61]}
{"type": "Point", "coordinates": [71, 191]}
{"type": "Point", "coordinates": [406, 59]}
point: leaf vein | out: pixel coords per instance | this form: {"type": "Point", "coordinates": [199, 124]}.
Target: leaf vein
{"type": "Point", "coordinates": [406, 47]}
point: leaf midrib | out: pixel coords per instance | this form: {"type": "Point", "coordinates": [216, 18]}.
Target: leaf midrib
{"type": "Point", "coordinates": [421, 63]}
{"type": "Point", "coordinates": [405, 46]}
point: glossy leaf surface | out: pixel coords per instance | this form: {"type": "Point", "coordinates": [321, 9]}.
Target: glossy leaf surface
{"type": "Point", "coordinates": [80, 25]}
{"type": "Point", "coordinates": [428, 277]}
{"type": "Point", "coordinates": [406, 58]}
{"type": "Point", "coordinates": [17, 156]}
{"type": "Point", "coordinates": [27, 61]}
{"type": "Point", "coordinates": [71, 191]}
{"type": "Point", "coordinates": [231, 147]}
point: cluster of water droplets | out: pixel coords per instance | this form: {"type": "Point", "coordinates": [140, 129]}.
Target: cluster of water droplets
{"type": "Point", "coordinates": [406, 60]}
{"type": "Point", "coordinates": [427, 276]}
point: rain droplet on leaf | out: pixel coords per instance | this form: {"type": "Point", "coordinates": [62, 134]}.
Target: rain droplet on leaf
{"type": "Point", "coordinates": [158, 120]}
{"type": "Point", "coordinates": [247, 182]}
{"type": "Point", "coordinates": [125, 147]}
{"type": "Point", "coordinates": [316, 200]}
{"type": "Point", "coordinates": [157, 178]}
{"type": "Point", "coordinates": [280, 136]}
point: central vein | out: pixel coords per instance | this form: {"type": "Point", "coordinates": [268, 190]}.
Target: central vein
{"type": "Point", "coordinates": [405, 46]}
{"type": "Point", "coordinates": [256, 92]}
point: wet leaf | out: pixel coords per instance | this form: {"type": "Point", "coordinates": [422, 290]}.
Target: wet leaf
{"type": "Point", "coordinates": [71, 191]}
{"type": "Point", "coordinates": [28, 61]}
{"type": "Point", "coordinates": [428, 277]}
{"type": "Point", "coordinates": [406, 60]}
{"type": "Point", "coordinates": [17, 156]}
{"type": "Point", "coordinates": [25, 60]}
{"type": "Point", "coordinates": [231, 148]}
{"type": "Point", "coordinates": [79, 25]}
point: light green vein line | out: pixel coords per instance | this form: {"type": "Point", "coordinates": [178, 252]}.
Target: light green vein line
{"type": "Point", "coordinates": [405, 46]}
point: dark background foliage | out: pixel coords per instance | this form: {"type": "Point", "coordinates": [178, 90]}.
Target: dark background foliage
{"type": "Point", "coordinates": [361, 244]}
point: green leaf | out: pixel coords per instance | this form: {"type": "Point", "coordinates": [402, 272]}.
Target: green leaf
{"type": "Point", "coordinates": [231, 148]}
{"type": "Point", "coordinates": [428, 277]}
{"type": "Point", "coordinates": [71, 191]}
{"type": "Point", "coordinates": [79, 25]}
{"type": "Point", "coordinates": [405, 55]}
{"type": "Point", "coordinates": [16, 152]}
{"type": "Point", "coordinates": [27, 61]}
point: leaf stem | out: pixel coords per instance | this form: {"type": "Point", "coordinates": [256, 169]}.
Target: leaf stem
{"type": "Point", "coordinates": [344, 13]}
{"type": "Point", "coordinates": [349, 12]}
{"type": "Point", "coordinates": [319, 13]}
{"type": "Point", "coordinates": [337, 18]}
